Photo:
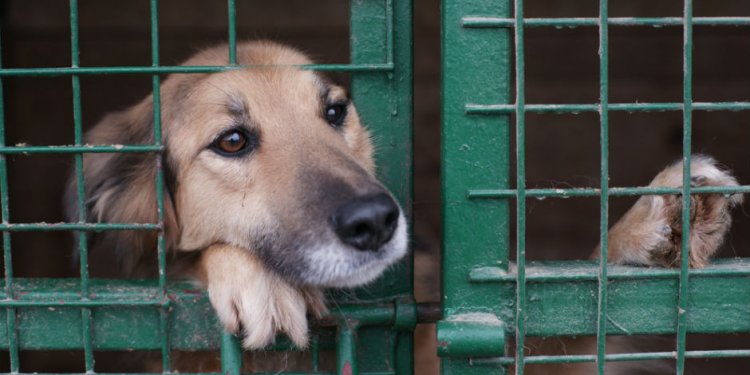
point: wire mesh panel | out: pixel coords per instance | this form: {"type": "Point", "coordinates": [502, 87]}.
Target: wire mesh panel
{"type": "Point", "coordinates": [370, 329]}
{"type": "Point", "coordinates": [492, 305]}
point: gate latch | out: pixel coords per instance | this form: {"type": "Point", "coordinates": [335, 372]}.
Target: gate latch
{"type": "Point", "coordinates": [471, 335]}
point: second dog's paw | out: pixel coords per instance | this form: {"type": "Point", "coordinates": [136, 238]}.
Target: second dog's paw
{"type": "Point", "coordinates": [650, 233]}
{"type": "Point", "coordinates": [254, 302]}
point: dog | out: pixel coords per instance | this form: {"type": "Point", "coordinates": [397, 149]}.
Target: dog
{"type": "Point", "coordinates": [650, 234]}
{"type": "Point", "coordinates": [270, 190]}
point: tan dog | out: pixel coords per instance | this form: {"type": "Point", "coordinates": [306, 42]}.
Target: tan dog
{"type": "Point", "coordinates": [650, 234]}
{"type": "Point", "coordinates": [270, 182]}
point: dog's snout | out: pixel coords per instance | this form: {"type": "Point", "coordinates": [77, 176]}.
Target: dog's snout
{"type": "Point", "coordinates": [366, 223]}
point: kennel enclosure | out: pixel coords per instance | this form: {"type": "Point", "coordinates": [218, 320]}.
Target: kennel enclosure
{"type": "Point", "coordinates": [490, 304]}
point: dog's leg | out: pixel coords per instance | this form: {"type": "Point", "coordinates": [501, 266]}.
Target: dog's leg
{"type": "Point", "coordinates": [650, 233]}
{"type": "Point", "coordinates": [254, 301]}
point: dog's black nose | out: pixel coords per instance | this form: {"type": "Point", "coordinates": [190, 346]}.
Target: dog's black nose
{"type": "Point", "coordinates": [366, 223]}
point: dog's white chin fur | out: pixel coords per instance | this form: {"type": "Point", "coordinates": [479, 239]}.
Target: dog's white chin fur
{"type": "Point", "coordinates": [337, 265]}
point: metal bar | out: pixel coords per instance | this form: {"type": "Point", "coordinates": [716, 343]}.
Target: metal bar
{"type": "Point", "coordinates": [389, 40]}
{"type": "Point", "coordinates": [159, 186]}
{"type": "Point", "coordinates": [75, 149]}
{"type": "Point", "coordinates": [520, 328]}
{"type": "Point", "coordinates": [687, 99]}
{"type": "Point", "coordinates": [497, 22]}
{"type": "Point", "coordinates": [504, 109]}
{"type": "Point", "coordinates": [232, 26]}
{"type": "Point", "coordinates": [561, 301]}
{"type": "Point", "coordinates": [215, 373]}
{"type": "Point", "coordinates": [377, 30]}
{"type": "Point", "coordinates": [601, 331]}
{"type": "Point", "coordinates": [11, 325]}
{"type": "Point", "coordinates": [315, 352]}
{"type": "Point", "coordinates": [231, 354]}
{"type": "Point", "coordinates": [568, 271]}
{"type": "Point", "coordinates": [96, 227]}
{"type": "Point", "coordinates": [157, 302]}
{"type": "Point", "coordinates": [63, 71]}
{"type": "Point", "coordinates": [594, 192]}
{"type": "Point", "coordinates": [346, 348]}
{"type": "Point", "coordinates": [86, 335]}
{"type": "Point", "coordinates": [621, 357]}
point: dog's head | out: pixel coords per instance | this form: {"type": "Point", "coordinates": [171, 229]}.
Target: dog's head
{"type": "Point", "coordinates": [270, 159]}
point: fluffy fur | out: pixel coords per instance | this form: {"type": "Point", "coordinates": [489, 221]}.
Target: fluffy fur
{"type": "Point", "coordinates": [259, 222]}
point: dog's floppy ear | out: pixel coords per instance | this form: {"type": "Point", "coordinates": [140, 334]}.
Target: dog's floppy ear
{"type": "Point", "coordinates": [121, 188]}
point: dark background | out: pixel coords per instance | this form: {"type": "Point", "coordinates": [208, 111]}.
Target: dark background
{"type": "Point", "coordinates": [561, 67]}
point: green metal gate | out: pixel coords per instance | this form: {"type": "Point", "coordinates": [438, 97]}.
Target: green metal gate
{"type": "Point", "coordinates": [489, 306]}
{"type": "Point", "coordinates": [99, 315]}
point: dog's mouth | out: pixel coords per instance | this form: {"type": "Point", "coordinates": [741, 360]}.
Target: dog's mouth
{"type": "Point", "coordinates": [357, 257]}
{"type": "Point", "coordinates": [345, 251]}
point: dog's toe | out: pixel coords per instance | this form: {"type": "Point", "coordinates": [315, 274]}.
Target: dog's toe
{"type": "Point", "coordinates": [226, 310]}
{"type": "Point", "coordinates": [245, 294]}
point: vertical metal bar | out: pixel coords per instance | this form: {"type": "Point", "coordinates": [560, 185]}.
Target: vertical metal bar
{"type": "Point", "coordinates": [7, 256]}
{"type": "Point", "coordinates": [601, 329]}
{"type": "Point", "coordinates": [346, 349]}
{"type": "Point", "coordinates": [521, 186]}
{"type": "Point", "coordinates": [687, 92]}
{"type": "Point", "coordinates": [389, 19]}
{"type": "Point", "coordinates": [231, 354]}
{"type": "Point", "coordinates": [372, 26]}
{"type": "Point", "coordinates": [315, 352]}
{"type": "Point", "coordinates": [232, 21]}
{"type": "Point", "coordinates": [231, 351]}
{"type": "Point", "coordinates": [159, 183]}
{"type": "Point", "coordinates": [88, 353]}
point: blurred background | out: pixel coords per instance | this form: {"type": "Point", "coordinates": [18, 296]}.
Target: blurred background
{"type": "Point", "coordinates": [561, 67]}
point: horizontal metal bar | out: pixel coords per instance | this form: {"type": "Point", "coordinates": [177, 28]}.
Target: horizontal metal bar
{"type": "Point", "coordinates": [496, 22]}
{"type": "Point", "coordinates": [66, 71]}
{"type": "Point", "coordinates": [620, 357]}
{"type": "Point", "coordinates": [594, 192]}
{"type": "Point", "coordinates": [562, 297]}
{"type": "Point", "coordinates": [65, 149]}
{"type": "Point", "coordinates": [96, 227]}
{"type": "Point", "coordinates": [125, 315]}
{"type": "Point", "coordinates": [122, 301]}
{"type": "Point", "coordinates": [203, 373]}
{"type": "Point", "coordinates": [564, 271]}
{"type": "Point", "coordinates": [506, 109]}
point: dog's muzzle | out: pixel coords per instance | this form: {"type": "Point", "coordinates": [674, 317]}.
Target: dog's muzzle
{"type": "Point", "coordinates": [366, 223]}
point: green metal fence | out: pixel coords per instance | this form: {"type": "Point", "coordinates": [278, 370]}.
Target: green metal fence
{"type": "Point", "coordinates": [490, 307]}
{"type": "Point", "coordinates": [98, 315]}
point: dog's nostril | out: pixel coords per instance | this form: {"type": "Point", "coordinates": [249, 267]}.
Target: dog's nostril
{"type": "Point", "coordinates": [391, 219]}
{"type": "Point", "coordinates": [361, 230]}
{"type": "Point", "coordinates": [366, 223]}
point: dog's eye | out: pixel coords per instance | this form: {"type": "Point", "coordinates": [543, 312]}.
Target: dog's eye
{"type": "Point", "coordinates": [233, 142]}
{"type": "Point", "coordinates": [335, 114]}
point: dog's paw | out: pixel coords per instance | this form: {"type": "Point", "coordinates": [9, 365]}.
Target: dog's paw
{"type": "Point", "coordinates": [650, 233]}
{"type": "Point", "coordinates": [254, 302]}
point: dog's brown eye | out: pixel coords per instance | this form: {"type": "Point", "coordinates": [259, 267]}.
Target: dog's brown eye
{"type": "Point", "coordinates": [335, 114]}
{"type": "Point", "coordinates": [234, 142]}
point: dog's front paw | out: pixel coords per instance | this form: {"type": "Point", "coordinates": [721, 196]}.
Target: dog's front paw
{"type": "Point", "coordinates": [254, 302]}
{"type": "Point", "coordinates": [650, 233]}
